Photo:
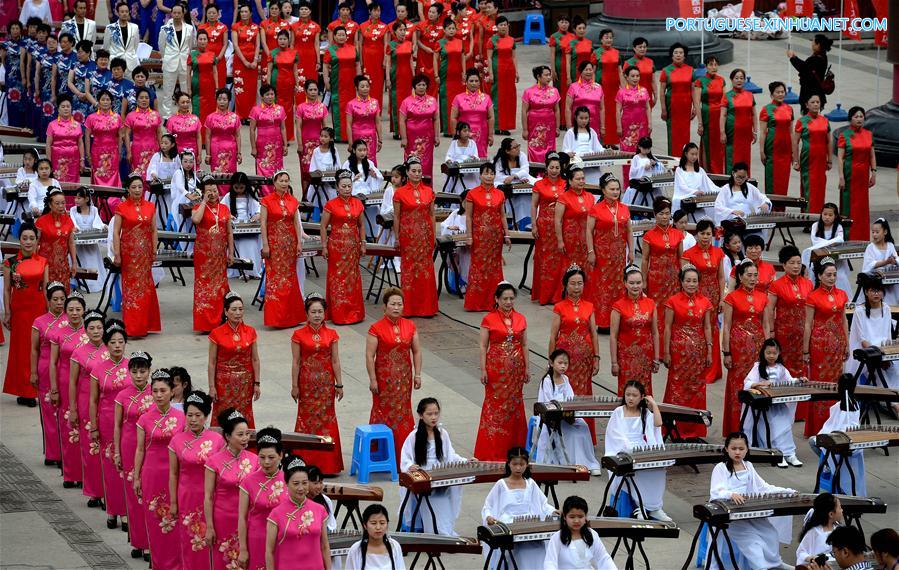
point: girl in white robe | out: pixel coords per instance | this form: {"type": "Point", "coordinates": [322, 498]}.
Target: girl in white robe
{"type": "Point", "coordinates": [691, 179]}
{"type": "Point", "coordinates": [680, 222]}
{"type": "Point", "coordinates": [515, 496]}
{"type": "Point", "coordinates": [576, 546]}
{"type": "Point", "coordinates": [844, 415]}
{"type": "Point", "coordinates": [768, 370]}
{"type": "Point", "coordinates": [643, 164]}
{"type": "Point", "coordinates": [826, 514]}
{"type": "Point", "coordinates": [581, 139]}
{"type": "Point", "coordinates": [740, 199]}
{"type": "Point", "coordinates": [184, 191]}
{"type": "Point", "coordinates": [426, 448]}
{"type": "Point", "coordinates": [462, 148]}
{"type": "Point", "coordinates": [37, 187]}
{"type": "Point", "coordinates": [86, 218]}
{"type": "Point", "coordinates": [455, 224]}
{"type": "Point", "coordinates": [376, 550]}
{"type": "Point", "coordinates": [825, 232]}
{"type": "Point", "coordinates": [367, 179]}
{"type": "Point", "coordinates": [872, 325]}
{"type": "Point", "coordinates": [325, 158]}
{"type": "Point", "coordinates": [162, 167]}
{"type": "Point", "coordinates": [512, 167]}
{"type": "Point", "coordinates": [575, 446]}
{"type": "Point", "coordinates": [244, 207]}
{"type": "Point", "coordinates": [881, 255]}
{"type": "Point", "coordinates": [637, 422]}
{"type": "Point", "coordinates": [757, 539]}
{"type": "Point", "coordinates": [24, 175]}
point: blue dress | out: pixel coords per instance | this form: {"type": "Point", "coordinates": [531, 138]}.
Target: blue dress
{"type": "Point", "coordinates": [15, 89]}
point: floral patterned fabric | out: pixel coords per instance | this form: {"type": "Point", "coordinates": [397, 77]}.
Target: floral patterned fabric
{"type": "Point", "coordinates": [105, 149]}
{"type": "Point", "coordinates": [313, 117]}
{"type": "Point", "coordinates": [416, 239]}
{"type": "Point", "coordinates": [392, 405]}
{"type": "Point", "coordinates": [210, 267]}
{"type": "Point", "coordinates": [548, 272]}
{"type": "Point", "coordinates": [68, 339]}
{"type": "Point", "coordinates": [610, 243]}
{"type": "Point", "coordinates": [485, 206]}
{"type": "Point", "coordinates": [230, 470]}
{"type": "Point", "coordinates": [635, 341]}
{"type": "Point", "coordinates": [264, 492]}
{"type": "Point", "coordinates": [224, 129]}
{"type": "Point", "coordinates": [54, 245]}
{"type": "Point", "coordinates": [133, 403]}
{"type": "Point", "coordinates": [299, 534]}
{"type": "Point", "coordinates": [746, 338]}
{"type": "Point", "coordinates": [184, 127]}
{"type": "Point", "coordinates": [92, 478]}
{"type": "Point", "coordinates": [111, 377]}
{"type": "Point", "coordinates": [283, 297]}
{"type": "Point", "coordinates": [542, 126]}
{"type": "Point", "coordinates": [708, 262]}
{"type": "Point", "coordinates": [366, 113]}
{"type": "Point", "coordinates": [634, 119]}
{"type": "Point", "coordinates": [269, 144]}
{"type": "Point", "coordinates": [344, 281]}
{"type": "Point", "coordinates": [828, 347]}
{"type": "Point", "coordinates": [234, 375]}
{"type": "Point", "coordinates": [420, 113]}
{"type": "Point", "coordinates": [64, 152]}
{"type": "Point", "coordinates": [144, 125]}
{"type": "Point", "coordinates": [140, 306]}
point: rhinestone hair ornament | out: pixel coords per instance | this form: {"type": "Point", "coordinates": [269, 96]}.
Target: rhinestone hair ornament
{"type": "Point", "coordinates": [231, 295]}
{"type": "Point", "coordinates": [55, 285]}
{"type": "Point", "coordinates": [115, 327]}
{"type": "Point", "coordinates": [573, 267]}
{"type": "Point", "coordinates": [311, 296]}
{"type": "Point", "coordinates": [343, 173]}
{"type": "Point", "coordinates": [297, 462]}
{"type": "Point", "coordinates": [280, 172]}
{"type": "Point", "coordinates": [235, 415]}
{"type": "Point", "coordinates": [139, 355]}
{"type": "Point", "coordinates": [93, 315]}
{"type": "Point", "coordinates": [631, 268]}
{"type": "Point", "coordinates": [413, 160]}
{"type": "Point", "coordinates": [53, 191]}
{"type": "Point", "coordinates": [552, 155]}
{"type": "Point", "coordinates": [826, 261]}
{"type": "Point", "coordinates": [688, 267]}
{"type": "Point", "coordinates": [160, 375]}
{"type": "Point", "coordinates": [746, 261]}
{"type": "Point", "coordinates": [193, 398]}
{"type": "Point", "coordinates": [75, 295]}
{"type": "Point", "coordinates": [267, 439]}
{"type": "Point", "coordinates": [504, 282]}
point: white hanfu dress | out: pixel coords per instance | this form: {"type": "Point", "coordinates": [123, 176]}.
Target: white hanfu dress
{"type": "Point", "coordinates": [520, 204]}
{"type": "Point", "coordinates": [757, 539]}
{"type": "Point", "coordinates": [689, 183]}
{"type": "Point", "coordinates": [90, 256]}
{"type": "Point", "coordinates": [585, 142]}
{"type": "Point", "coordinates": [576, 447]}
{"type": "Point", "coordinates": [181, 187]}
{"type": "Point", "coordinates": [624, 434]}
{"type": "Point", "coordinates": [843, 269]}
{"type": "Point", "coordinates": [641, 166]}
{"type": "Point", "coordinates": [321, 162]}
{"type": "Point", "coordinates": [874, 330]}
{"type": "Point", "coordinates": [812, 544]}
{"type": "Point", "coordinates": [780, 416]}
{"type": "Point", "coordinates": [505, 504]}
{"type": "Point", "coordinates": [872, 256]}
{"type": "Point", "coordinates": [840, 420]}
{"type": "Point", "coordinates": [577, 555]}
{"type": "Point", "coordinates": [163, 170]}
{"type": "Point", "coordinates": [376, 561]}
{"type": "Point", "coordinates": [459, 153]}
{"type": "Point", "coordinates": [730, 201]}
{"type": "Point", "coordinates": [461, 254]}
{"type": "Point", "coordinates": [362, 187]}
{"type": "Point", "coordinates": [248, 246]}
{"type": "Point", "coordinates": [446, 501]}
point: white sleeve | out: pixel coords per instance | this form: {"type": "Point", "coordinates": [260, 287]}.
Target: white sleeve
{"type": "Point", "coordinates": [783, 375]}
{"type": "Point", "coordinates": [176, 187]}
{"type": "Point", "coordinates": [314, 163]}
{"type": "Point", "coordinates": [595, 145]}
{"type": "Point", "coordinates": [253, 207]}
{"type": "Point", "coordinates": [718, 486]}
{"type": "Point", "coordinates": [681, 188]}
{"type": "Point", "coordinates": [839, 234]}
{"type": "Point", "coordinates": [34, 201]}
{"type": "Point", "coordinates": [524, 171]}
{"type": "Point", "coordinates": [616, 438]}
{"type": "Point", "coordinates": [450, 220]}
{"type": "Point", "coordinates": [374, 171]}
{"type": "Point", "coordinates": [153, 167]}
{"type": "Point", "coordinates": [753, 377]}
{"type": "Point", "coordinates": [332, 520]}
{"type": "Point", "coordinates": [493, 502]}
{"type": "Point", "coordinates": [553, 549]}
{"type": "Point", "coordinates": [707, 184]}
{"type": "Point", "coordinates": [804, 551]}
{"type": "Point", "coordinates": [353, 559]}
{"type": "Point", "coordinates": [636, 168]}
{"type": "Point", "coordinates": [545, 392]}
{"type": "Point", "coordinates": [407, 455]}
{"type": "Point", "coordinates": [539, 504]}
{"type": "Point", "coordinates": [723, 209]}
{"type": "Point", "coordinates": [758, 198]}
{"type": "Point", "coordinates": [871, 255]}
{"type": "Point", "coordinates": [569, 142]}
{"type": "Point", "coordinates": [397, 552]}
{"type": "Point", "coordinates": [600, 559]}
{"type": "Point", "coordinates": [20, 175]}
{"type": "Point", "coordinates": [96, 222]}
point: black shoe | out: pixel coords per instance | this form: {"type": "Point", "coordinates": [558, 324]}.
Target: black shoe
{"type": "Point", "coordinates": [69, 484]}
{"type": "Point", "coordinates": [397, 137]}
{"type": "Point", "coordinates": [602, 330]}
{"type": "Point", "coordinates": [137, 553]}
{"type": "Point", "coordinates": [49, 463]}
{"type": "Point", "coordinates": [112, 522]}
{"type": "Point", "coordinates": [124, 527]}
{"type": "Point", "coordinates": [94, 503]}
{"type": "Point", "coordinates": [29, 402]}
{"type": "Point", "coordinates": [505, 133]}
{"type": "Point", "coordinates": [146, 556]}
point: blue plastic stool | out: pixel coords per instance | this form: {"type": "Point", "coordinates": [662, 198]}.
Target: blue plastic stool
{"type": "Point", "coordinates": [533, 424]}
{"type": "Point", "coordinates": [532, 32]}
{"type": "Point", "coordinates": [380, 460]}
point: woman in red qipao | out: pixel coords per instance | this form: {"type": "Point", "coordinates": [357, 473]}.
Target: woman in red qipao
{"type": "Point", "coordinates": [608, 61]}
{"type": "Point", "coordinates": [754, 245]}
{"type": "Point", "coordinates": [212, 255]}
{"type": "Point", "coordinates": [675, 85]}
{"type": "Point", "coordinates": [707, 93]}
{"type": "Point", "coordinates": [233, 368]}
{"type": "Point", "coordinates": [581, 49]}
{"type": "Point", "coordinates": [776, 146]}
{"type": "Point", "coordinates": [570, 222]}
{"type": "Point", "coordinates": [218, 41]}
{"type": "Point", "coordinates": [413, 223]}
{"type": "Point", "coordinates": [858, 170]}
{"type": "Point", "coordinates": [282, 75]}
{"type": "Point", "coordinates": [343, 243]}
{"type": "Point", "coordinates": [825, 322]}
{"type": "Point", "coordinates": [399, 61]}
{"type": "Point", "coordinates": [812, 153]}
{"type": "Point", "coordinates": [24, 277]}
{"type": "Point", "coordinates": [202, 63]}
{"type": "Point", "coordinates": [281, 245]}
{"type": "Point", "coordinates": [270, 28]}
{"type": "Point", "coordinates": [503, 76]}
{"type": "Point", "coordinates": [370, 44]}
{"type": "Point", "coordinates": [245, 37]}
{"type": "Point", "coordinates": [547, 190]}
{"type": "Point", "coordinates": [428, 34]}
{"type": "Point", "coordinates": [317, 383]}
{"type": "Point", "coordinates": [390, 369]}
{"type": "Point", "coordinates": [634, 334]}
{"type": "Point", "coordinates": [487, 228]}
{"type": "Point", "coordinates": [341, 66]}
{"type": "Point", "coordinates": [134, 245]}
{"type": "Point", "coordinates": [739, 123]}
{"type": "Point", "coordinates": [662, 250]}
{"type": "Point", "coordinates": [56, 238]}
{"type": "Point", "coordinates": [504, 372]}
{"type": "Point", "coordinates": [610, 248]}
{"type": "Point", "coordinates": [306, 39]}
{"type": "Point", "coordinates": [744, 333]}
{"type": "Point", "coordinates": [709, 262]}
{"type": "Point", "coordinates": [687, 346]}
{"type": "Point", "coordinates": [451, 55]}
{"type": "Point", "coordinates": [560, 57]}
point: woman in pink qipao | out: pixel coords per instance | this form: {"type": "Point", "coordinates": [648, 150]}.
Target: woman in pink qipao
{"type": "Point", "coordinates": [363, 117]}
{"type": "Point", "coordinates": [188, 454]}
{"type": "Point", "coordinates": [540, 114]}
{"type": "Point", "coordinates": [260, 492]}
{"type": "Point", "coordinates": [268, 135]}
{"type": "Point", "coordinates": [311, 117]}
{"type": "Point", "coordinates": [297, 528]}
{"type": "Point", "coordinates": [419, 124]}
{"type": "Point", "coordinates": [104, 142]}
{"type": "Point", "coordinates": [64, 142]}
{"type": "Point", "coordinates": [185, 126]}
{"type": "Point", "coordinates": [475, 108]}
{"type": "Point", "coordinates": [143, 129]}
{"type": "Point", "coordinates": [223, 133]}
{"type": "Point", "coordinates": [41, 329]}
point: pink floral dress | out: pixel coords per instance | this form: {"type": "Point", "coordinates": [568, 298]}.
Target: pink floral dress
{"type": "Point", "coordinates": [144, 125]}
{"type": "Point", "coordinates": [67, 339]}
{"type": "Point", "coordinates": [269, 144]}
{"type": "Point", "coordinates": [85, 357]}
{"type": "Point", "coordinates": [44, 325]}
{"type": "Point", "coordinates": [158, 429]}
{"type": "Point", "coordinates": [542, 125]}
{"type": "Point", "coordinates": [300, 528]}
{"type": "Point", "coordinates": [265, 493]}
{"type": "Point", "coordinates": [587, 95]}
{"type": "Point", "coordinates": [419, 113]}
{"type": "Point", "coordinates": [365, 115]}
{"type": "Point", "coordinates": [634, 119]}
{"type": "Point", "coordinates": [111, 378]}
{"type": "Point", "coordinates": [105, 149]}
{"type": "Point", "coordinates": [229, 471]}
{"type": "Point", "coordinates": [192, 452]}
{"type": "Point", "coordinates": [184, 127]}
{"type": "Point", "coordinates": [473, 109]}
{"type": "Point", "coordinates": [313, 116]}
{"type": "Point", "coordinates": [224, 129]}
{"type": "Point", "coordinates": [64, 153]}
{"type": "Point", "coordinates": [133, 403]}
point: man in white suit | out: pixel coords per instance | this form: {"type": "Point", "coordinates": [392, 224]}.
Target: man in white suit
{"type": "Point", "coordinates": [81, 27]}
{"type": "Point", "coordinates": [122, 37]}
{"type": "Point", "coordinates": [176, 39]}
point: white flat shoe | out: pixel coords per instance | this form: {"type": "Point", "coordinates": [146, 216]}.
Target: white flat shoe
{"type": "Point", "coordinates": [596, 472]}
{"type": "Point", "coordinates": [794, 461]}
{"type": "Point", "coordinates": [660, 515]}
{"type": "Point", "coordinates": [638, 514]}
{"type": "Point", "coordinates": [783, 463]}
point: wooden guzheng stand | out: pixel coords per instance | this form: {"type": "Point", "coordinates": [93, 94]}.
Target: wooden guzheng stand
{"type": "Point", "coordinates": [839, 445]}
{"type": "Point", "coordinates": [431, 545]}
{"type": "Point", "coordinates": [631, 532]}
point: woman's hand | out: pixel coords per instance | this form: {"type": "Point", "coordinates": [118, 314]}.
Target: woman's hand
{"type": "Point", "coordinates": [338, 393]}
{"type": "Point", "coordinates": [491, 520]}
{"type": "Point", "coordinates": [243, 558]}
{"type": "Point", "coordinates": [257, 392]}
{"type": "Point", "coordinates": [173, 509]}
{"type": "Point", "coordinates": [591, 259]}
{"type": "Point", "coordinates": [791, 54]}
{"type": "Point", "coordinates": [560, 247]}
{"type": "Point", "coordinates": [595, 366]}
{"type": "Point", "coordinates": [210, 535]}
{"type": "Point", "coordinates": [95, 435]}
{"type": "Point", "coordinates": [212, 393]}
{"type": "Point", "coordinates": [484, 377]}
{"type": "Point", "coordinates": [137, 487]}
{"type": "Point", "coordinates": [534, 231]}
{"type": "Point", "coordinates": [796, 165]}
{"type": "Point", "coordinates": [666, 361]}
{"type": "Point", "coordinates": [842, 183]}
{"type": "Point", "coordinates": [324, 252]}
{"type": "Point", "coordinates": [738, 498]}
{"type": "Point", "coordinates": [655, 366]}
{"type": "Point", "coordinates": [416, 382]}
{"type": "Point", "coordinates": [664, 113]}
{"type": "Point", "coordinates": [373, 387]}
{"type": "Point", "coordinates": [708, 357]}
{"type": "Point", "coordinates": [33, 378]}
{"type": "Point", "coordinates": [728, 362]}
{"type": "Point", "coordinates": [239, 158]}
{"type": "Point", "coordinates": [54, 397]}
{"type": "Point", "coordinates": [403, 143]}
{"type": "Point", "coordinates": [73, 417]}
{"type": "Point", "coordinates": [362, 248]}
{"type": "Point", "coordinates": [762, 155]}
{"type": "Point", "coordinates": [723, 137]}
{"type": "Point", "coordinates": [615, 369]}
{"type": "Point", "coordinates": [266, 252]}
{"type": "Point", "coordinates": [699, 129]}
{"type": "Point", "coordinates": [295, 393]}
{"type": "Point", "coordinates": [651, 402]}
{"type": "Point", "coordinates": [872, 179]}
{"type": "Point", "coordinates": [117, 460]}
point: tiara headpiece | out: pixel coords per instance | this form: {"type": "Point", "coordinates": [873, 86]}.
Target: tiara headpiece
{"type": "Point", "coordinates": [688, 266]}
{"type": "Point", "coordinates": [573, 267]}
{"type": "Point", "coordinates": [94, 315]}
{"type": "Point", "coordinates": [160, 374]}
{"type": "Point", "coordinates": [746, 261]}
{"type": "Point", "coordinates": [139, 355]}
{"type": "Point", "coordinates": [112, 327]}
{"type": "Point", "coordinates": [231, 295]}
{"type": "Point", "coordinates": [282, 171]}
{"type": "Point", "coordinates": [314, 295]}
{"type": "Point", "coordinates": [343, 173]}
{"type": "Point", "coordinates": [413, 160]}
{"type": "Point", "coordinates": [53, 191]}
{"type": "Point", "coordinates": [631, 268]}
{"type": "Point", "coordinates": [75, 295]}
{"type": "Point", "coordinates": [266, 439]}
{"type": "Point", "coordinates": [55, 285]}
{"type": "Point", "coordinates": [826, 261]}
{"type": "Point", "coordinates": [296, 462]}
{"type": "Point", "coordinates": [235, 415]}
{"type": "Point", "coordinates": [195, 399]}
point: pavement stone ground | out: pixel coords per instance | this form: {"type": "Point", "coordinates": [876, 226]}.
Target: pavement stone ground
{"type": "Point", "coordinates": [44, 526]}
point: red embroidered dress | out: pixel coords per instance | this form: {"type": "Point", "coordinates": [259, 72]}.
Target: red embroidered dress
{"type": "Point", "coordinates": [789, 320]}
{"type": "Point", "coordinates": [487, 220]}
{"type": "Point", "coordinates": [608, 74]}
{"type": "Point", "coordinates": [708, 263]}
{"type": "Point", "coordinates": [283, 297]}
{"type": "Point", "coordinates": [392, 405]}
{"type": "Point", "coordinates": [211, 267]}
{"type": "Point", "coordinates": [140, 307]}
{"type": "Point", "coordinates": [687, 349]}
{"type": "Point", "coordinates": [661, 245]}
{"type": "Point", "coordinates": [54, 245]}
{"type": "Point", "coordinates": [610, 243]}
{"type": "Point", "coordinates": [547, 270]}
{"type": "Point", "coordinates": [503, 423]}
{"type": "Point", "coordinates": [234, 375]}
{"type": "Point", "coordinates": [245, 78]}
{"type": "Point", "coordinates": [344, 282]}
{"type": "Point", "coordinates": [574, 337]}
{"type": "Point", "coordinates": [635, 352]}
{"type": "Point", "coordinates": [304, 41]}
{"type": "Point", "coordinates": [416, 239]}
{"type": "Point", "coordinates": [827, 348]}
{"type": "Point", "coordinates": [315, 408]}
{"type": "Point", "coordinates": [373, 34]}
{"type": "Point", "coordinates": [27, 302]}
{"type": "Point", "coordinates": [746, 338]}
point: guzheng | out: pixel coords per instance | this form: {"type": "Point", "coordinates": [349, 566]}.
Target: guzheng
{"type": "Point", "coordinates": [69, 189]}
{"type": "Point", "coordinates": [20, 148]}
{"type": "Point", "coordinates": [82, 273]}
{"type": "Point", "coordinates": [516, 188]}
{"type": "Point", "coordinates": [330, 176]}
{"type": "Point", "coordinates": [410, 542]}
{"type": "Point", "coordinates": [505, 535]}
{"type": "Point", "coordinates": [473, 472]}
{"type": "Point", "coordinates": [605, 159]}
{"type": "Point", "coordinates": [353, 492]}
{"type": "Point", "coordinates": [784, 393]}
{"type": "Point", "coordinates": [171, 258]}
{"type": "Point", "coordinates": [9, 247]}
{"type": "Point", "coordinates": [246, 228]}
{"type": "Point", "coordinates": [292, 441]}
{"type": "Point", "coordinates": [668, 455]}
{"type": "Point", "coordinates": [707, 199]}
{"type": "Point", "coordinates": [721, 512]}
{"type": "Point", "coordinates": [470, 166]}
{"type": "Point", "coordinates": [603, 407]}
{"type": "Point", "coordinates": [776, 220]}
{"type": "Point", "coordinates": [7, 219]}
{"type": "Point", "coordinates": [516, 237]}
{"type": "Point", "coordinates": [890, 277]}
{"type": "Point", "coordinates": [225, 178]}
{"type": "Point", "coordinates": [846, 250]}
{"type": "Point", "coordinates": [640, 227]}
{"type": "Point", "coordinates": [91, 237]}
{"type": "Point", "coordinates": [8, 172]}
{"type": "Point", "coordinates": [866, 437]}
{"type": "Point", "coordinates": [8, 131]}
{"type": "Point", "coordinates": [175, 236]}
{"type": "Point", "coordinates": [888, 351]}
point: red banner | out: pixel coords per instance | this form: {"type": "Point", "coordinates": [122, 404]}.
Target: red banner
{"type": "Point", "coordinates": [799, 8]}
{"type": "Point", "coordinates": [850, 10]}
{"type": "Point", "coordinates": [881, 11]}
{"type": "Point", "coordinates": [747, 9]}
{"type": "Point", "coordinates": [691, 8]}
